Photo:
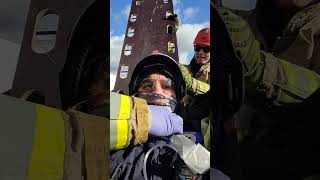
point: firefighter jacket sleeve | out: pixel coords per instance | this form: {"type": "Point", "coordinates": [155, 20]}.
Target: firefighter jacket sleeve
{"type": "Point", "coordinates": [279, 82]}
{"type": "Point", "coordinates": [132, 120]}
{"type": "Point", "coordinates": [194, 86]}
{"type": "Point", "coordinates": [129, 121]}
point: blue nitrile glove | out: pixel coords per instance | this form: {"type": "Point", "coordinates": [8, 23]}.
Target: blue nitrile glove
{"type": "Point", "coordinates": [164, 122]}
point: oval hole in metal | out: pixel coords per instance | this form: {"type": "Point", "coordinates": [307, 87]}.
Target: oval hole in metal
{"type": "Point", "coordinates": [124, 71]}
{"type": "Point", "coordinates": [168, 14]}
{"type": "Point", "coordinates": [130, 32]}
{"type": "Point", "coordinates": [127, 49]}
{"type": "Point", "coordinates": [169, 29]}
{"type": "Point", "coordinates": [137, 3]}
{"type": "Point", "coordinates": [165, 1]}
{"type": "Point", "coordinates": [133, 18]}
{"type": "Point", "coordinates": [44, 35]}
{"type": "Point", "coordinates": [171, 47]}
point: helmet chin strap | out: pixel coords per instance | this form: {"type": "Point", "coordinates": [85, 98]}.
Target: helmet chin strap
{"type": "Point", "coordinates": [166, 101]}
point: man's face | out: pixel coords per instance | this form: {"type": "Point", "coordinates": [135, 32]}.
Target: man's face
{"type": "Point", "coordinates": [202, 54]}
{"type": "Point", "coordinates": [156, 83]}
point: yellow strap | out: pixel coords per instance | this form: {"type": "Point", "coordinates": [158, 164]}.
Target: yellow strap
{"type": "Point", "coordinates": [123, 122]}
{"type": "Point", "coordinates": [47, 158]}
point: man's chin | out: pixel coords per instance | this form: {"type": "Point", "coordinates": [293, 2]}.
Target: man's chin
{"type": "Point", "coordinates": [156, 102]}
{"type": "Point", "coordinates": [202, 61]}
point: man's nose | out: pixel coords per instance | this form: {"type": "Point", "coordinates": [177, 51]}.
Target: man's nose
{"type": "Point", "coordinates": [157, 89]}
{"type": "Point", "coordinates": [201, 51]}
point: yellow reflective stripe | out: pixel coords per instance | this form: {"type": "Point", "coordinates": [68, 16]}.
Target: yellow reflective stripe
{"type": "Point", "coordinates": [202, 87]}
{"type": "Point", "coordinates": [47, 157]}
{"type": "Point", "coordinates": [122, 122]}
{"type": "Point", "coordinates": [301, 83]}
{"type": "Point", "coordinates": [199, 87]}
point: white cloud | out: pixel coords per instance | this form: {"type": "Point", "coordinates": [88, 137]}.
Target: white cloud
{"type": "Point", "coordinates": [112, 81]}
{"type": "Point", "coordinates": [185, 57]}
{"type": "Point", "coordinates": [185, 36]}
{"type": "Point", "coordinates": [116, 43]}
{"type": "Point", "coordinates": [189, 13]}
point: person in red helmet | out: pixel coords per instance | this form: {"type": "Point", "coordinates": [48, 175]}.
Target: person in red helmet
{"type": "Point", "coordinates": [202, 47]}
{"type": "Point", "coordinates": [197, 73]}
{"type": "Point", "coordinates": [197, 79]}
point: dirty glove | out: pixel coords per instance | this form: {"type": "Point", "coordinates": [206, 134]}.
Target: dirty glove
{"type": "Point", "coordinates": [164, 122]}
{"type": "Point", "coordinates": [187, 77]}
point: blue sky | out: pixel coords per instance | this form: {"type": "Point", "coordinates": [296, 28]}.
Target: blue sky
{"type": "Point", "coordinates": [190, 11]}
{"type": "Point", "coordinates": [194, 15]}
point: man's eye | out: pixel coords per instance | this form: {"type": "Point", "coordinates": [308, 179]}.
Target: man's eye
{"type": "Point", "coordinates": [167, 85]}
{"type": "Point", "coordinates": [148, 85]}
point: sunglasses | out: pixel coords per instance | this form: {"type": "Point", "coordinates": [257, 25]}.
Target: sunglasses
{"type": "Point", "coordinates": [205, 49]}
{"type": "Point", "coordinates": [148, 84]}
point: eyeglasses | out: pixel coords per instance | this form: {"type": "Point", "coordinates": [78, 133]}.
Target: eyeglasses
{"type": "Point", "coordinates": [148, 84]}
{"type": "Point", "coordinates": [205, 49]}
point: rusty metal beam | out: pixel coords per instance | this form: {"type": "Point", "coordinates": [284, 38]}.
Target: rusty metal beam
{"type": "Point", "coordinates": [41, 70]}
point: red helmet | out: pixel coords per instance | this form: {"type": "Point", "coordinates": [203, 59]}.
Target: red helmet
{"type": "Point", "coordinates": [203, 37]}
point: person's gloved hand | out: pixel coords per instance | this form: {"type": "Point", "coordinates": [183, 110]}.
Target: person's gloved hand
{"type": "Point", "coordinates": [246, 46]}
{"type": "Point", "coordinates": [187, 77]}
{"type": "Point", "coordinates": [164, 122]}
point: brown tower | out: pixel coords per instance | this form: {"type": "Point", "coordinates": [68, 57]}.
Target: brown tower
{"type": "Point", "coordinates": [151, 26]}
